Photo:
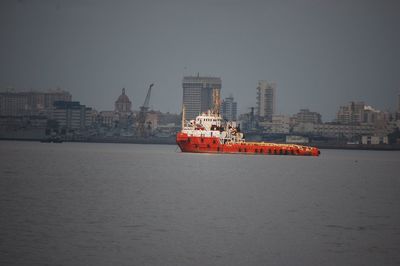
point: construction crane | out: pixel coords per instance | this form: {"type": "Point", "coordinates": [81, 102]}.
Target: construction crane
{"type": "Point", "coordinates": [141, 130]}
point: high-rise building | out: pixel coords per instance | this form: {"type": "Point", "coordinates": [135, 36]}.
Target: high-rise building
{"type": "Point", "coordinates": [266, 100]}
{"type": "Point", "coordinates": [198, 94]}
{"type": "Point", "coordinates": [229, 109]}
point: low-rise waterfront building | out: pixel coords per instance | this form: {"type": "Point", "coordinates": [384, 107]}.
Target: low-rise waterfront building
{"type": "Point", "coordinates": [296, 139]}
{"type": "Point", "coordinates": [107, 118]}
{"type": "Point", "coordinates": [306, 116]}
{"type": "Point", "coordinates": [374, 140]}
{"type": "Point", "coordinates": [70, 115]}
{"type": "Point", "coordinates": [152, 118]}
{"type": "Point", "coordinates": [30, 103]}
{"type": "Point", "coordinates": [22, 122]}
{"type": "Point", "coordinates": [248, 122]}
{"type": "Point", "coordinates": [91, 117]}
{"type": "Point", "coordinates": [360, 113]}
{"type": "Point", "coordinates": [334, 130]}
{"type": "Point", "coordinates": [279, 124]}
{"type": "Point", "coordinates": [23, 127]}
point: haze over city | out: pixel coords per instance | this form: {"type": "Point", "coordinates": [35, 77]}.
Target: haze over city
{"type": "Point", "coordinates": [321, 54]}
{"type": "Point", "coordinates": [200, 132]}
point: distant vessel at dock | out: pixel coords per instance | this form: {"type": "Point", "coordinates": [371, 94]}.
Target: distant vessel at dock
{"type": "Point", "coordinates": [53, 139]}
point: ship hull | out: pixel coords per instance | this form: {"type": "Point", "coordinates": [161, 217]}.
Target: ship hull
{"type": "Point", "coordinates": [212, 145]}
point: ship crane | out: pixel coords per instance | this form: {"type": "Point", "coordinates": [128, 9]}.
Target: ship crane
{"type": "Point", "coordinates": [141, 131]}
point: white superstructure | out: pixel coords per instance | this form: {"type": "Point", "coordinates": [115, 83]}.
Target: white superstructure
{"type": "Point", "coordinates": [212, 125]}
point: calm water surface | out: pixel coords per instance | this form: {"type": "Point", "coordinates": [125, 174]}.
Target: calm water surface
{"type": "Point", "coordinates": [126, 204]}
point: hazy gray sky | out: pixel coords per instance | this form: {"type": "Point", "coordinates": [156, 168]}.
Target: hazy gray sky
{"type": "Point", "coordinates": [322, 54]}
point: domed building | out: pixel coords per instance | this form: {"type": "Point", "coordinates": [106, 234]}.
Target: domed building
{"type": "Point", "coordinates": [123, 104]}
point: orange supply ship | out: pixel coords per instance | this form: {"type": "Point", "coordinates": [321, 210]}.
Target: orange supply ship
{"type": "Point", "coordinates": [208, 133]}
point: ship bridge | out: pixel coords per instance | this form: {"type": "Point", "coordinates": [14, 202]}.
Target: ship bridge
{"type": "Point", "coordinates": [209, 120]}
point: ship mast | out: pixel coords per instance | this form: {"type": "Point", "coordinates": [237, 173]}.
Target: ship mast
{"type": "Point", "coordinates": [183, 116]}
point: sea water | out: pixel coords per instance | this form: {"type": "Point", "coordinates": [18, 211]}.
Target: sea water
{"type": "Point", "coordinates": [130, 204]}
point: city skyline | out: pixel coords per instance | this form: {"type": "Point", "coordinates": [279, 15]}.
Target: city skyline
{"type": "Point", "coordinates": [321, 55]}
{"type": "Point", "coordinates": [13, 92]}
